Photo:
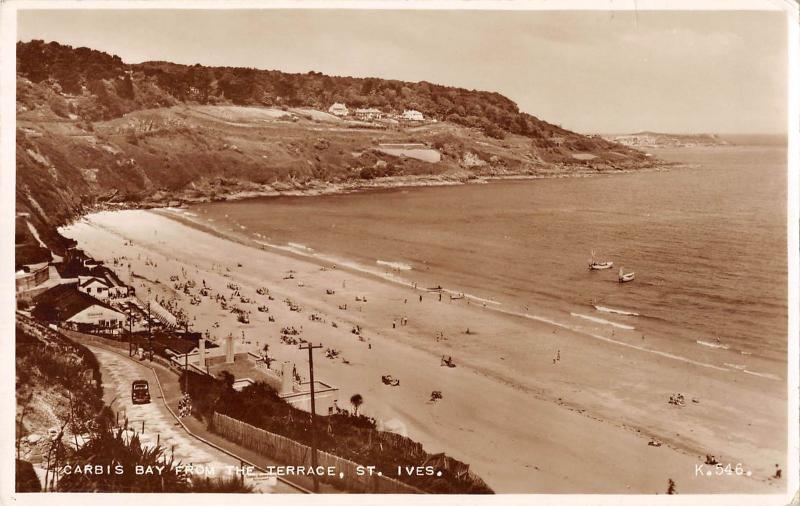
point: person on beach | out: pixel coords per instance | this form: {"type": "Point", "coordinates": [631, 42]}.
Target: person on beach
{"type": "Point", "coordinates": [394, 324]}
{"type": "Point", "coordinates": [420, 298]}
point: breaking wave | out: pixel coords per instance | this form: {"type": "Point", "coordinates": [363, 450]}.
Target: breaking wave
{"type": "Point", "coordinates": [604, 322]}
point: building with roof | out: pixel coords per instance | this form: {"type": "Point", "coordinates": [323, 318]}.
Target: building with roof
{"type": "Point", "coordinates": [412, 115]}
{"type": "Point", "coordinates": [95, 286]}
{"type": "Point", "coordinates": [338, 109]}
{"type": "Point", "coordinates": [66, 305]}
{"type": "Point", "coordinates": [116, 288]}
{"type": "Point", "coordinates": [368, 114]}
{"type": "Point", "coordinates": [31, 276]}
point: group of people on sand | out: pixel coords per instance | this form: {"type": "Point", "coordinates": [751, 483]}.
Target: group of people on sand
{"type": "Point", "coordinates": [403, 322]}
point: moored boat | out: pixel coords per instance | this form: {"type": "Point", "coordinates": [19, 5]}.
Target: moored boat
{"type": "Point", "coordinates": [625, 277]}
{"type": "Point", "coordinates": [595, 265]}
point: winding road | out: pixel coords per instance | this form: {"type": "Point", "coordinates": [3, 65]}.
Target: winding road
{"type": "Point", "coordinates": [158, 423]}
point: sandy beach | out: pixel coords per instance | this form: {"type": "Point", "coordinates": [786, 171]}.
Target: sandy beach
{"type": "Point", "coordinates": [531, 406]}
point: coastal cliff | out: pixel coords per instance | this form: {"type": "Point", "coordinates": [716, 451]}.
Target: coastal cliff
{"type": "Point", "coordinates": [93, 131]}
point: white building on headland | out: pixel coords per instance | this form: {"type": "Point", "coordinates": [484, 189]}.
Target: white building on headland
{"type": "Point", "coordinates": [412, 115]}
{"type": "Point", "coordinates": [338, 109]}
{"type": "Point", "coordinates": [368, 114]}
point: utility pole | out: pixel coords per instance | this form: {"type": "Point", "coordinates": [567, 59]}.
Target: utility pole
{"type": "Point", "coordinates": [130, 332]}
{"type": "Point", "coordinates": [310, 347]}
{"type": "Point", "coordinates": [186, 372]}
{"type": "Point", "coordinates": [186, 358]}
{"type": "Point", "coordinates": [149, 331]}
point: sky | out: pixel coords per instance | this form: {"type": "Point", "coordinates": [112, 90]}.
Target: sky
{"type": "Point", "coordinates": [589, 71]}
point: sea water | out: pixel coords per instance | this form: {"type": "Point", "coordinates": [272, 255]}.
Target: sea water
{"type": "Point", "coordinates": [707, 242]}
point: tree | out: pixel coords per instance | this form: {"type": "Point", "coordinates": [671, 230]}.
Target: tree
{"type": "Point", "coordinates": [227, 379]}
{"type": "Point", "coordinates": [125, 89]}
{"type": "Point", "coordinates": [356, 400]}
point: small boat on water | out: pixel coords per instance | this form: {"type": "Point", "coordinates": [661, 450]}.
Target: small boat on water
{"type": "Point", "coordinates": [596, 265]}
{"type": "Point", "coordinates": [625, 277]}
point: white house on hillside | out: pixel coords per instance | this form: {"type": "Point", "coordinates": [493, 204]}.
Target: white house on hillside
{"type": "Point", "coordinates": [369, 114]}
{"type": "Point", "coordinates": [338, 109]}
{"type": "Point", "coordinates": [412, 115]}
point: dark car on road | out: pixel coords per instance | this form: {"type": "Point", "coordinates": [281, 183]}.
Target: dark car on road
{"type": "Point", "coordinates": [140, 392]}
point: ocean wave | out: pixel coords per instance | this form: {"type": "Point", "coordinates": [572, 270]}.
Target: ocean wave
{"type": "Point", "coordinates": [713, 345]}
{"type": "Point", "coordinates": [739, 367]}
{"type": "Point", "coordinates": [472, 297]}
{"type": "Point", "coordinates": [603, 309]}
{"type": "Point", "coordinates": [614, 341]}
{"type": "Point", "coordinates": [398, 266]}
{"type": "Point", "coordinates": [763, 375]}
{"type": "Point", "coordinates": [299, 246]}
{"type": "Point", "coordinates": [604, 322]}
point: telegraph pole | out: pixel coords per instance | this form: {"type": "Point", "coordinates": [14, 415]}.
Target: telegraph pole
{"type": "Point", "coordinates": [311, 349]}
{"type": "Point", "coordinates": [149, 331]}
{"type": "Point", "coordinates": [130, 332]}
{"type": "Point", "coordinates": [186, 358]}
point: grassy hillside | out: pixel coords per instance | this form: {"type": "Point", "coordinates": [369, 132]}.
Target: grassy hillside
{"type": "Point", "coordinates": [92, 129]}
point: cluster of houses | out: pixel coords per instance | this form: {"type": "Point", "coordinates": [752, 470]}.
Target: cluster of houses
{"type": "Point", "coordinates": [80, 294]}
{"type": "Point", "coordinates": [371, 114]}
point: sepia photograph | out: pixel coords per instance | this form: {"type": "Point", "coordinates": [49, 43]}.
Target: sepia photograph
{"type": "Point", "coordinates": [400, 248]}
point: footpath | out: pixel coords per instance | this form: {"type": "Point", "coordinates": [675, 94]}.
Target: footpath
{"type": "Point", "coordinates": [168, 382]}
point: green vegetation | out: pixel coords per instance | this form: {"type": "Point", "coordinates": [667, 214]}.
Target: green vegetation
{"type": "Point", "coordinates": [351, 437]}
{"type": "Point", "coordinates": [118, 88]}
{"type": "Point", "coordinates": [110, 447]}
{"type": "Point", "coordinates": [94, 131]}
{"type": "Point", "coordinates": [49, 365]}
{"type": "Point", "coordinates": [59, 386]}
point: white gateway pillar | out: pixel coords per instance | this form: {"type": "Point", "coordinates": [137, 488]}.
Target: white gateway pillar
{"type": "Point", "coordinates": [229, 349]}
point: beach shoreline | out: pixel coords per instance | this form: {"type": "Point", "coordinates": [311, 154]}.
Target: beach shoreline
{"type": "Point", "coordinates": [204, 192]}
{"type": "Point", "coordinates": [571, 397]}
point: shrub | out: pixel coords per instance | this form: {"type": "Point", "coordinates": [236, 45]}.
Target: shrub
{"type": "Point", "coordinates": [351, 437]}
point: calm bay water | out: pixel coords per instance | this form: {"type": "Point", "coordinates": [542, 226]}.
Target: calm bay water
{"type": "Point", "coordinates": [707, 243]}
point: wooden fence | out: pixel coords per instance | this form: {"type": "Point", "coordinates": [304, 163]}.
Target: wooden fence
{"type": "Point", "coordinates": [288, 451]}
